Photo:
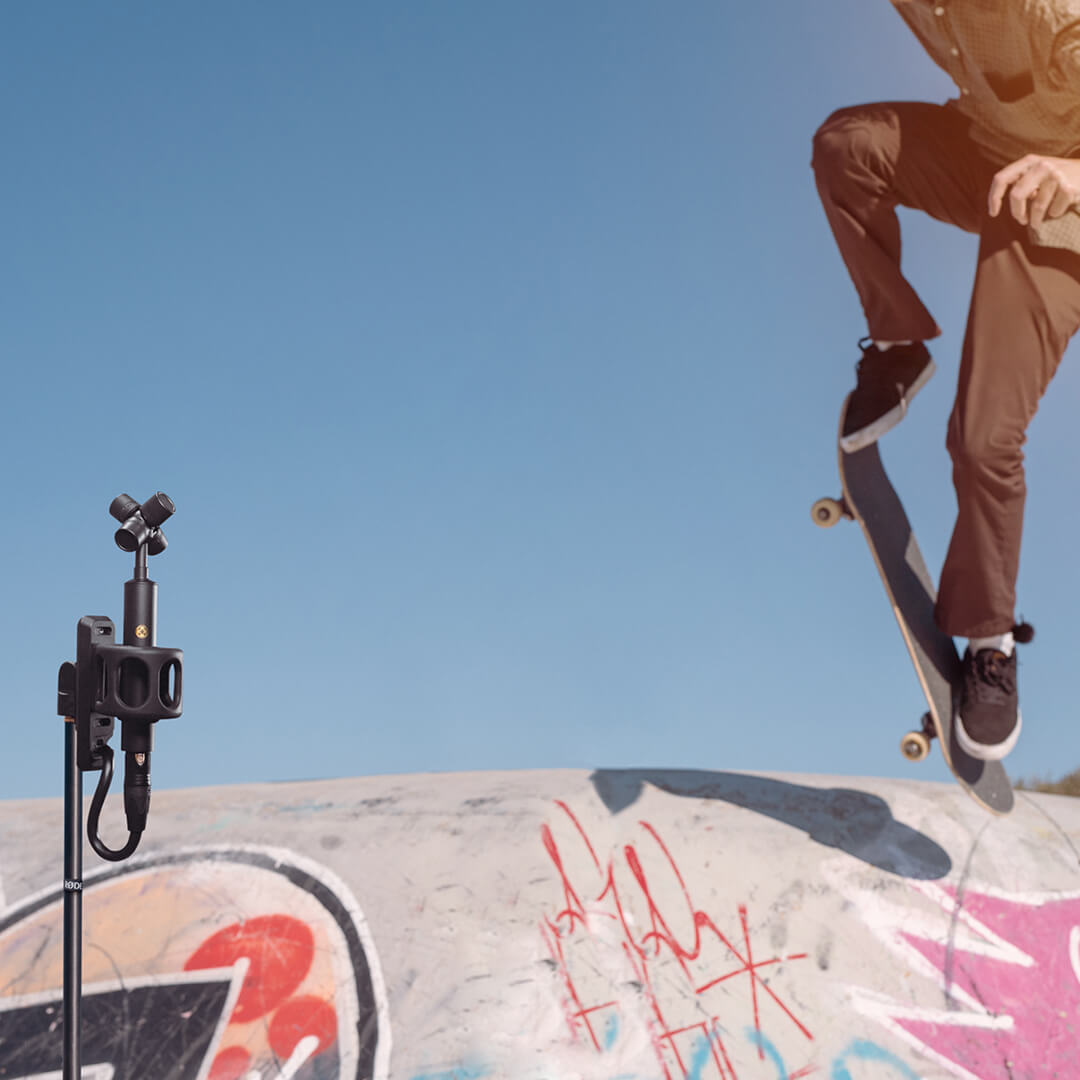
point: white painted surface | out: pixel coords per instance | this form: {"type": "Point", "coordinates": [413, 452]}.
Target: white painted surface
{"type": "Point", "coordinates": [662, 924]}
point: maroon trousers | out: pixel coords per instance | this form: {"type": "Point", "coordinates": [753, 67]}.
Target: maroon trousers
{"type": "Point", "coordinates": [1025, 306]}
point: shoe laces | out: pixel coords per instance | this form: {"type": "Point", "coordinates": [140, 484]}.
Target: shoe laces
{"type": "Point", "coordinates": [863, 366]}
{"type": "Point", "coordinates": [992, 674]}
{"type": "Point", "coordinates": [993, 670]}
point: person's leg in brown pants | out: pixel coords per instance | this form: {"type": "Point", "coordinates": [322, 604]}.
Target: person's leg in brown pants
{"type": "Point", "coordinates": [1025, 307]}
{"type": "Point", "coordinates": [868, 160]}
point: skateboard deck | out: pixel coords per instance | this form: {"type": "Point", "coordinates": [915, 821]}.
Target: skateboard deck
{"type": "Point", "coordinates": [870, 498]}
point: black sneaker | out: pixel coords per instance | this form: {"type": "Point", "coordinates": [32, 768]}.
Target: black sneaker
{"type": "Point", "coordinates": [989, 722]}
{"type": "Point", "coordinates": [885, 384]}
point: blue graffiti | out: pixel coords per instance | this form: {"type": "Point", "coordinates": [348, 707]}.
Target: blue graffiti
{"type": "Point", "coordinates": [858, 1050]}
{"type": "Point", "coordinates": [864, 1050]}
{"type": "Point", "coordinates": [459, 1072]}
{"type": "Point", "coordinates": [611, 1030]}
{"type": "Point", "coordinates": [758, 1039]}
{"type": "Point", "coordinates": [699, 1059]}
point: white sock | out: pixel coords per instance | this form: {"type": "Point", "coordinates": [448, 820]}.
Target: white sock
{"type": "Point", "coordinates": [1004, 643]}
{"type": "Point", "coordinates": [885, 346]}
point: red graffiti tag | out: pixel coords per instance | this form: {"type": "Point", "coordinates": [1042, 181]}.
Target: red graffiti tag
{"type": "Point", "coordinates": [279, 949]}
{"type": "Point", "coordinates": [230, 1064]}
{"type": "Point", "coordinates": [300, 1017]}
{"type": "Point", "coordinates": [642, 904]}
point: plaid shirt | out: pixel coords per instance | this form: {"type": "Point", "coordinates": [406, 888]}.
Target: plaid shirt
{"type": "Point", "coordinates": [1016, 64]}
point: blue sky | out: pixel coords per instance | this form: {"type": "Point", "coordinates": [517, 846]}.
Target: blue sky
{"type": "Point", "coordinates": [492, 354]}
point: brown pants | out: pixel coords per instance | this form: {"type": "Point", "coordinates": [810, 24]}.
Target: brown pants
{"type": "Point", "coordinates": [1025, 307]}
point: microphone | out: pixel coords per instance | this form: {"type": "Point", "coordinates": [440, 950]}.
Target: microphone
{"type": "Point", "coordinates": [136, 682]}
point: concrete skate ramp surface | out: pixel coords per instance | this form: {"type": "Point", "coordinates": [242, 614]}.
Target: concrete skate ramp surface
{"type": "Point", "coordinates": [619, 924]}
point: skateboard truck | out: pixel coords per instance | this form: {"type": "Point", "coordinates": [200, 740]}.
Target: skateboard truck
{"type": "Point", "coordinates": [827, 512]}
{"type": "Point", "coordinates": [915, 745]}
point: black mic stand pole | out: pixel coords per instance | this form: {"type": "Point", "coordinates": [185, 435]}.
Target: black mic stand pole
{"type": "Point", "coordinates": [73, 807]}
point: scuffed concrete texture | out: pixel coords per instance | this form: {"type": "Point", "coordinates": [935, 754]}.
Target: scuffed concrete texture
{"type": "Point", "coordinates": [548, 925]}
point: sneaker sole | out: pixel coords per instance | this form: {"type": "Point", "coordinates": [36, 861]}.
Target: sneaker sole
{"type": "Point", "coordinates": [985, 751]}
{"type": "Point", "coordinates": [872, 432]}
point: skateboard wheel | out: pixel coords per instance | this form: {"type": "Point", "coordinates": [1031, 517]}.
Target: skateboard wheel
{"type": "Point", "coordinates": [915, 746]}
{"type": "Point", "coordinates": [827, 512]}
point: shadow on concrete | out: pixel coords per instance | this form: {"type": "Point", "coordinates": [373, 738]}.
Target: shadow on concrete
{"type": "Point", "coordinates": [852, 821]}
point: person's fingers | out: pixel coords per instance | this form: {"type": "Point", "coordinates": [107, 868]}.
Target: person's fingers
{"type": "Point", "coordinates": [1062, 203]}
{"type": "Point", "coordinates": [1003, 179]}
{"type": "Point", "coordinates": [1024, 189]}
{"type": "Point", "coordinates": [1043, 197]}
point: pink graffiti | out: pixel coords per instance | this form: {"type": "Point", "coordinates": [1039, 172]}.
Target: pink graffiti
{"type": "Point", "coordinates": [641, 902]}
{"type": "Point", "coordinates": [1015, 1001]}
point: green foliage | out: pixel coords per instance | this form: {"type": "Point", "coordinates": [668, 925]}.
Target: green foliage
{"type": "Point", "coordinates": [1068, 785]}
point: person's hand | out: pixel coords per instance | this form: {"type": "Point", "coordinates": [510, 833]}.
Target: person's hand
{"type": "Point", "coordinates": [1039, 187]}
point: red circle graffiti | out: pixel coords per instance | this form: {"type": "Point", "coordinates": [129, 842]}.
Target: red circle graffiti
{"type": "Point", "coordinates": [298, 1018]}
{"type": "Point", "coordinates": [279, 949]}
{"type": "Point", "coordinates": [230, 1064]}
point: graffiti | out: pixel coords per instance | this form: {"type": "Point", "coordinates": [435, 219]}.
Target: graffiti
{"type": "Point", "coordinates": [678, 976]}
{"type": "Point", "coordinates": [886, 1065]}
{"type": "Point", "coordinates": [235, 963]}
{"type": "Point", "coordinates": [460, 1072]}
{"type": "Point", "coordinates": [685, 941]}
{"type": "Point", "coordinates": [1006, 966]}
{"type": "Point", "coordinates": [866, 1050]}
{"type": "Point", "coordinates": [1009, 971]}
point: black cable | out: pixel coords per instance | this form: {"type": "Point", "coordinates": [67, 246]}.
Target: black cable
{"type": "Point", "coordinates": [94, 817]}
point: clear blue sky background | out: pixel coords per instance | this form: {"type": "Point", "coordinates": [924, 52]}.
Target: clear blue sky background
{"type": "Point", "coordinates": [492, 353]}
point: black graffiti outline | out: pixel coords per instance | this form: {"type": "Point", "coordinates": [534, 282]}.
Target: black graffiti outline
{"type": "Point", "coordinates": [372, 1028]}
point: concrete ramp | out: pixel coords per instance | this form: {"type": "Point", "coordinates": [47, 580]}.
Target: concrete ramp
{"type": "Point", "coordinates": [652, 924]}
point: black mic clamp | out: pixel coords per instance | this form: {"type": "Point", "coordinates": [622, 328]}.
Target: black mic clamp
{"type": "Point", "coordinates": [136, 681]}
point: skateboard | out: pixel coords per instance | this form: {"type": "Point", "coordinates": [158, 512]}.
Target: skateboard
{"type": "Point", "coordinates": [870, 499]}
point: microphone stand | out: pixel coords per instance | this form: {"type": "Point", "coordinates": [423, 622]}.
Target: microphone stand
{"type": "Point", "coordinates": [137, 683]}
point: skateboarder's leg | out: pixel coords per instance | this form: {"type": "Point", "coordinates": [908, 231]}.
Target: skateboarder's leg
{"type": "Point", "coordinates": [1025, 307]}
{"type": "Point", "coordinates": [868, 160]}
